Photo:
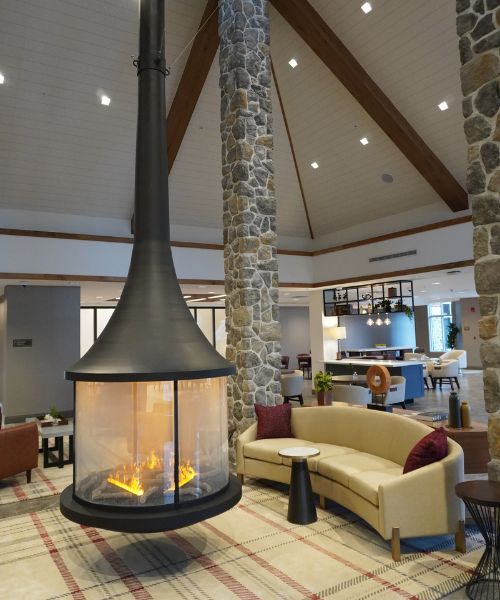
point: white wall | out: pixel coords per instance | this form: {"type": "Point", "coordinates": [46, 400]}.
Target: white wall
{"type": "Point", "coordinates": [294, 332]}
{"type": "Point", "coordinates": [445, 245]}
{"type": "Point", "coordinates": [19, 254]}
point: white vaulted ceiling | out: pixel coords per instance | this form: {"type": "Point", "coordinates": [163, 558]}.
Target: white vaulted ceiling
{"type": "Point", "coordinates": [61, 151]}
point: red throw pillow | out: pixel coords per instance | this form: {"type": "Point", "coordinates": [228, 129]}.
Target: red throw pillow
{"type": "Point", "coordinates": [429, 449]}
{"type": "Point", "coordinates": [273, 421]}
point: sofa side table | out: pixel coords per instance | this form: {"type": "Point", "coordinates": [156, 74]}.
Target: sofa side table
{"type": "Point", "coordinates": [301, 508]}
{"type": "Point", "coordinates": [482, 499]}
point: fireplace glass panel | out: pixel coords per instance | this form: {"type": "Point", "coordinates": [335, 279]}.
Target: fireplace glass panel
{"type": "Point", "coordinates": [125, 441]}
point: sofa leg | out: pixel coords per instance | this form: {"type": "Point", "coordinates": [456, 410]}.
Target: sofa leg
{"type": "Point", "coordinates": [28, 476]}
{"type": "Point", "coordinates": [395, 544]}
{"type": "Point", "coordinates": [460, 545]}
{"type": "Point", "coordinates": [301, 400]}
{"type": "Point", "coordinates": [456, 381]}
{"type": "Point", "coordinates": [322, 501]}
{"type": "Point", "coordinates": [241, 477]}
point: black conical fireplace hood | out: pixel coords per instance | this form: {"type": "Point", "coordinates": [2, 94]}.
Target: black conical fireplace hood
{"type": "Point", "coordinates": [151, 448]}
{"type": "Point", "coordinates": [152, 335]}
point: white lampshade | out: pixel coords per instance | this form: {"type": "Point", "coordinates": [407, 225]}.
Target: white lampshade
{"type": "Point", "coordinates": [339, 333]}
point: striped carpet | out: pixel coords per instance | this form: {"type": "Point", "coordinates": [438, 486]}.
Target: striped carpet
{"type": "Point", "coordinates": [251, 552]}
{"type": "Point", "coordinates": [44, 482]}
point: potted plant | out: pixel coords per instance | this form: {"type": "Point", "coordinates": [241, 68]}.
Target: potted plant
{"type": "Point", "coordinates": [400, 307]}
{"type": "Point", "coordinates": [383, 306]}
{"type": "Point", "coordinates": [453, 332]}
{"type": "Point", "coordinates": [323, 384]}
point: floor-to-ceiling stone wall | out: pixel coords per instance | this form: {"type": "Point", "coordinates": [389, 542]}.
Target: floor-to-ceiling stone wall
{"type": "Point", "coordinates": [478, 26]}
{"type": "Point", "coordinates": [250, 254]}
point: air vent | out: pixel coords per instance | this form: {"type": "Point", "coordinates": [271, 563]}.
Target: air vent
{"type": "Point", "coordinates": [454, 272]}
{"type": "Point", "coordinates": [390, 256]}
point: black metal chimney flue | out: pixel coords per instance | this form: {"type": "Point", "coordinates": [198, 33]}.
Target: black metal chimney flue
{"type": "Point", "coordinates": [152, 335]}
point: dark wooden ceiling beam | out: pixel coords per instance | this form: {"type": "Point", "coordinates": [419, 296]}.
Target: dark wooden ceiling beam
{"type": "Point", "coordinates": [328, 47]}
{"type": "Point", "coordinates": [198, 65]}
{"type": "Point", "coordinates": [290, 141]}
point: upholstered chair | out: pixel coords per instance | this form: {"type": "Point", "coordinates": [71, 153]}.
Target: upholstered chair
{"type": "Point", "coordinates": [460, 355]}
{"type": "Point", "coordinates": [446, 372]}
{"type": "Point", "coordinates": [351, 394]}
{"type": "Point", "coordinates": [396, 393]}
{"type": "Point", "coordinates": [292, 385]}
{"type": "Point", "coordinates": [18, 450]}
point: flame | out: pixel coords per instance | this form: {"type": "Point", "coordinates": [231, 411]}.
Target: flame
{"type": "Point", "coordinates": [129, 477]}
{"type": "Point", "coordinates": [134, 486]}
{"type": "Point", "coordinates": [186, 473]}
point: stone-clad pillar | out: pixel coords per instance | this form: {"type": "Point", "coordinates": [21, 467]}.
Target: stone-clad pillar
{"type": "Point", "coordinates": [478, 25]}
{"type": "Point", "coordinates": [250, 255]}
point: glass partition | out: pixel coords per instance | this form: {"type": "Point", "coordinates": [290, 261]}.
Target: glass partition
{"type": "Point", "coordinates": [126, 450]}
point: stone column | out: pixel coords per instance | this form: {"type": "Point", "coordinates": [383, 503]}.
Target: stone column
{"type": "Point", "coordinates": [478, 27]}
{"type": "Point", "coordinates": [250, 254]}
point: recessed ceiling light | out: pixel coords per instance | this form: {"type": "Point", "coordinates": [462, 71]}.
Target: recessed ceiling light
{"type": "Point", "coordinates": [366, 7]}
{"type": "Point", "coordinates": [436, 283]}
{"type": "Point", "coordinates": [99, 297]}
{"type": "Point", "coordinates": [293, 63]}
{"type": "Point", "coordinates": [364, 141]}
{"type": "Point", "coordinates": [105, 100]}
{"type": "Point", "coordinates": [314, 165]}
{"type": "Point", "coordinates": [443, 105]}
{"type": "Point", "coordinates": [2, 78]}
{"type": "Point", "coordinates": [387, 178]}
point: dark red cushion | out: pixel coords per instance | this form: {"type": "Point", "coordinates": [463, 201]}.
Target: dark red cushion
{"type": "Point", "coordinates": [429, 449]}
{"type": "Point", "coordinates": [273, 421]}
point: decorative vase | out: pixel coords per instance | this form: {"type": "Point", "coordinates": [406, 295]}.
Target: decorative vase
{"type": "Point", "coordinates": [465, 414]}
{"type": "Point", "coordinates": [454, 417]}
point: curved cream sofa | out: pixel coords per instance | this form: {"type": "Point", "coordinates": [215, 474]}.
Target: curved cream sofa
{"type": "Point", "coordinates": [360, 465]}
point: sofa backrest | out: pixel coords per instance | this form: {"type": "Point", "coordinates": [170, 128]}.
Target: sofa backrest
{"type": "Point", "coordinates": [384, 434]}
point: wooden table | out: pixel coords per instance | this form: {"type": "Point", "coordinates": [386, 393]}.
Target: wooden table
{"type": "Point", "coordinates": [58, 432]}
{"type": "Point", "coordinates": [474, 441]}
{"type": "Point", "coordinates": [482, 499]}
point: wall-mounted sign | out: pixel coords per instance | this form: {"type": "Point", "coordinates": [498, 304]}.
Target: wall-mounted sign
{"type": "Point", "coordinates": [22, 343]}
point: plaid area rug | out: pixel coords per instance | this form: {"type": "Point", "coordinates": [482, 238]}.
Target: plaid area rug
{"type": "Point", "coordinates": [44, 482]}
{"type": "Point", "coordinates": [250, 552]}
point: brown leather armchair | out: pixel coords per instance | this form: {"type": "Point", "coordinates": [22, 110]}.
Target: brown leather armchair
{"type": "Point", "coordinates": [18, 450]}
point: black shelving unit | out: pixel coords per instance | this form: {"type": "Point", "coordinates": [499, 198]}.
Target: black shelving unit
{"type": "Point", "coordinates": [373, 298]}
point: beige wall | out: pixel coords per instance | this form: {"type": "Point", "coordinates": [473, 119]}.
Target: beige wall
{"type": "Point", "coordinates": [469, 308]}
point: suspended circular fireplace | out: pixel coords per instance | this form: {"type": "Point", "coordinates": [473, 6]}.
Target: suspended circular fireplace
{"type": "Point", "coordinates": [151, 449]}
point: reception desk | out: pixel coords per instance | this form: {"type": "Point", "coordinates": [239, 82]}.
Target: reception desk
{"type": "Point", "coordinates": [412, 371]}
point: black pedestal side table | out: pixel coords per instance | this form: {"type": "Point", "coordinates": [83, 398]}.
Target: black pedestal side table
{"type": "Point", "coordinates": [482, 499]}
{"type": "Point", "coordinates": [301, 508]}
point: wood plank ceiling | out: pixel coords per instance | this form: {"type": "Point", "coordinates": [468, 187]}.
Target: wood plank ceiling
{"type": "Point", "coordinates": [61, 151]}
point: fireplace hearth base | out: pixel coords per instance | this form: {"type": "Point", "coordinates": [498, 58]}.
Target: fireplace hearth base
{"type": "Point", "coordinates": [149, 521]}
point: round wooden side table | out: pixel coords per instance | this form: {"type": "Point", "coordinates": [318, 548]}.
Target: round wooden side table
{"type": "Point", "coordinates": [482, 499]}
{"type": "Point", "coordinates": [301, 508]}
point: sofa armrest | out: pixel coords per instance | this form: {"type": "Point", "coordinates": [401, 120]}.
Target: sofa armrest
{"type": "Point", "coordinates": [249, 435]}
{"type": "Point", "coordinates": [423, 502]}
{"type": "Point", "coordinates": [18, 449]}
